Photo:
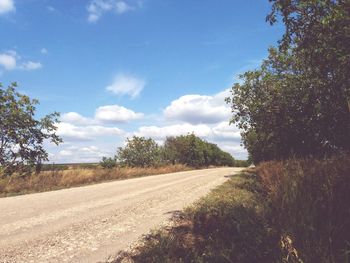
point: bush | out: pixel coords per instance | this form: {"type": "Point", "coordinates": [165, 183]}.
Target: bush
{"type": "Point", "coordinates": [242, 163]}
{"type": "Point", "coordinates": [108, 163]}
{"type": "Point", "coordinates": [309, 201]}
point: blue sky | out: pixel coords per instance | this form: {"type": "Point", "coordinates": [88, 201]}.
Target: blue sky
{"type": "Point", "coordinates": [117, 68]}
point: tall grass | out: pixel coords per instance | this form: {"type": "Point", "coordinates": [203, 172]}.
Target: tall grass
{"type": "Point", "coordinates": [57, 179]}
{"type": "Point", "coordinates": [308, 201]}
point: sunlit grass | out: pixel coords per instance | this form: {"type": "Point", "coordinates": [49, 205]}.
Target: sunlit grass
{"type": "Point", "coordinates": [52, 180]}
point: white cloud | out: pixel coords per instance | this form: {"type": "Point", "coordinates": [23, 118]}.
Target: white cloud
{"type": "Point", "coordinates": [225, 131]}
{"type": "Point", "coordinates": [10, 60]}
{"type": "Point", "coordinates": [97, 8]}
{"type": "Point", "coordinates": [79, 154]}
{"type": "Point", "coordinates": [30, 65]}
{"type": "Point", "coordinates": [116, 114]}
{"type": "Point", "coordinates": [108, 114]}
{"type": "Point", "coordinates": [6, 6]}
{"type": "Point", "coordinates": [124, 84]}
{"type": "Point", "coordinates": [76, 118]}
{"type": "Point", "coordinates": [220, 132]}
{"type": "Point", "coordinates": [44, 51]}
{"type": "Point", "coordinates": [160, 133]}
{"type": "Point", "coordinates": [70, 132]}
{"type": "Point", "coordinates": [65, 153]}
{"type": "Point", "coordinates": [199, 109]}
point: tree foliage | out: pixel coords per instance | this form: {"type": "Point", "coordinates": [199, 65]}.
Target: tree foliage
{"type": "Point", "coordinates": [21, 135]}
{"type": "Point", "coordinates": [298, 102]}
{"type": "Point", "coordinates": [193, 151]}
{"type": "Point", "coordinates": [185, 149]}
{"type": "Point", "coordinates": [139, 152]}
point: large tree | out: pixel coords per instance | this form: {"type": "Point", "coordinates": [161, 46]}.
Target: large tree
{"type": "Point", "coordinates": [21, 135]}
{"type": "Point", "coordinates": [139, 152]}
{"type": "Point", "coordinates": [297, 103]}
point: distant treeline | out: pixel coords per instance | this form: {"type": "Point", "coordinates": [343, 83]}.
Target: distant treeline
{"type": "Point", "coordinates": [67, 166]}
{"type": "Point", "coordinates": [185, 149]}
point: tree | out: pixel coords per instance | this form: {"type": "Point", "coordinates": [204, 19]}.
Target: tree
{"type": "Point", "coordinates": [139, 152]}
{"type": "Point", "coordinates": [21, 135]}
{"type": "Point", "coordinates": [193, 151]}
{"type": "Point", "coordinates": [297, 103]}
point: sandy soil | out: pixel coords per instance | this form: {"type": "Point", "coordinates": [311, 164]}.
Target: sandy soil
{"type": "Point", "coordinates": [91, 223]}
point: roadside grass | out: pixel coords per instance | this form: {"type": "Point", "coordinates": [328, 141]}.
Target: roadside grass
{"type": "Point", "coordinates": [308, 203]}
{"type": "Point", "coordinates": [228, 225]}
{"type": "Point", "coordinates": [58, 179]}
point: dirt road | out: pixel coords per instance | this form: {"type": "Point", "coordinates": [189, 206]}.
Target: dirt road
{"type": "Point", "coordinates": [88, 224]}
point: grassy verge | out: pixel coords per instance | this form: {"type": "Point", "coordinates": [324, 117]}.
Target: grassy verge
{"type": "Point", "coordinates": [54, 180]}
{"type": "Point", "coordinates": [226, 226]}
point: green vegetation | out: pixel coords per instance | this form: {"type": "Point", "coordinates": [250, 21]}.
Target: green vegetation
{"type": "Point", "coordinates": [188, 150]}
{"type": "Point", "coordinates": [193, 151]}
{"type": "Point", "coordinates": [139, 152]}
{"type": "Point", "coordinates": [22, 136]}
{"type": "Point", "coordinates": [298, 102]}
{"type": "Point", "coordinates": [108, 163]}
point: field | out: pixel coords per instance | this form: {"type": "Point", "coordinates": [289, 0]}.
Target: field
{"type": "Point", "coordinates": [55, 177]}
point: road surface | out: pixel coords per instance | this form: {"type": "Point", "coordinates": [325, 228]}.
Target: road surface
{"type": "Point", "coordinates": [90, 223]}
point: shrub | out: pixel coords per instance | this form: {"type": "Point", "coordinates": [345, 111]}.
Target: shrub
{"type": "Point", "coordinates": [108, 163]}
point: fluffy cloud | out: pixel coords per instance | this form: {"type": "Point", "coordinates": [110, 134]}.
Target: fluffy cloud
{"type": "Point", "coordinates": [109, 114]}
{"type": "Point", "coordinates": [76, 118]}
{"type": "Point", "coordinates": [160, 133]}
{"type": "Point", "coordinates": [6, 6]}
{"type": "Point", "coordinates": [78, 154]}
{"type": "Point", "coordinates": [10, 60]}
{"type": "Point", "coordinates": [30, 65]}
{"type": "Point", "coordinates": [97, 8]}
{"type": "Point", "coordinates": [197, 109]}
{"type": "Point", "coordinates": [116, 114]}
{"type": "Point", "coordinates": [226, 132]}
{"type": "Point", "coordinates": [70, 132]}
{"type": "Point", "coordinates": [124, 84]}
{"type": "Point", "coordinates": [220, 132]}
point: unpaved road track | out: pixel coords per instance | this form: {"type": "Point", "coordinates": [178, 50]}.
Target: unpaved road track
{"type": "Point", "coordinates": [88, 224]}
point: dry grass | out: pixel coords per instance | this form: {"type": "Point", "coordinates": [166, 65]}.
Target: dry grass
{"type": "Point", "coordinates": [53, 180]}
{"type": "Point", "coordinates": [308, 200]}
